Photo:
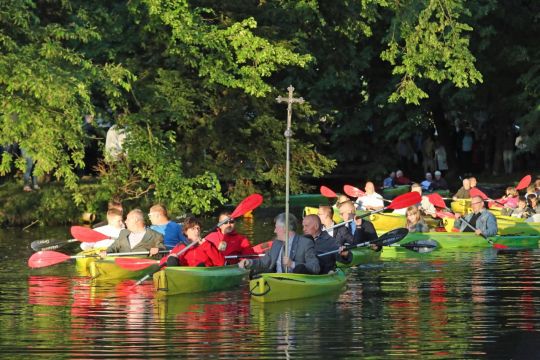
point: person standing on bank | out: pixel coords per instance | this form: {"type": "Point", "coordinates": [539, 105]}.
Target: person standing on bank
{"type": "Point", "coordinates": [301, 258]}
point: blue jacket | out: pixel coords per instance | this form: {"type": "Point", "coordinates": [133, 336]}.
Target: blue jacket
{"type": "Point", "coordinates": [486, 223]}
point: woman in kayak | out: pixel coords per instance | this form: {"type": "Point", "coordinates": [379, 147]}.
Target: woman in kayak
{"type": "Point", "coordinates": [203, 253]}
{"type": "Point", "coordinates": [415, 221]}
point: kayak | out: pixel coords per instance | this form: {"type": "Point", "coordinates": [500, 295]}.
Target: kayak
{"type": "Point", "coordinates": [82, 264]}
{"type": "Point", "coordinates": [506, 225]}
{"type": "Point", "coordinates": [360, 255]}
{"type": "Point", "coordinates": [462, 206]}
{"type": "Point", "coordinates": [305, 200]}
{"type": "Point", "coordinates": [381, 221]}
{"type": "Point", "coordinates": [190, 279]}
{"type": "Point", "coordinates": [392, 192]}
{"type": "Point", "coordinates": [107, 269]}
{"type": "Point", "coordinates": [272, 287]}
{"type": "Point", "coordinates": [452, 240]}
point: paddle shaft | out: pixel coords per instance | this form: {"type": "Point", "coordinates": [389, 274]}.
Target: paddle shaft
{"type": "Point", "coordinates": [359, 217]}
{"type": "Point", "coordinates": [350, 247]}
{"type": "Point", "coordinates": [50, 244]}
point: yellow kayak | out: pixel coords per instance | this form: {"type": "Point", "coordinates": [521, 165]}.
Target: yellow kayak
{"type": "Point", "coordinates": [382, 222]}
{"type": "Point", "coordinates": [506, 225]}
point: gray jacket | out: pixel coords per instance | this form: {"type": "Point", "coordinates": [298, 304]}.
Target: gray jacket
{"type": "Point", "coordinates": [302, 252]}
{"type": "Point", "coordinates": [486, 223]}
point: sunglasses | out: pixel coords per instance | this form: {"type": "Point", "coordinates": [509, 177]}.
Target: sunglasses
{"type": "Point", "coordinates": [231, 221]}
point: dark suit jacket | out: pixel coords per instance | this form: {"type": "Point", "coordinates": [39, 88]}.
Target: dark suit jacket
{"type": "Point", "coordinates": [366, 232]}
{"type": "Point", "coordinates": [151, 239]}
{"type": "Point", "coordinates": [302, 252]}
{"type": "Point", "coordinates": [324, 243]}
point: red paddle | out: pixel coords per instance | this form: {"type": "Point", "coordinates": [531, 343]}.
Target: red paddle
{"type": "Point", "coordinates": [48, 258]}
{"type": "Point", "coordinates": [327, 192]}
{"type": "Point", "coordinates": [524, 183]}
{"type": "Point", "coordinates": [85, 234]}
{"type": "Point", "coordinates": [353, 191]}
{"type": "Point", "coordinates": [139, 264]}
{"type": "Point", "coordinates": [263, 247]}
{"type": "Point", "coordinates": [249, 203]}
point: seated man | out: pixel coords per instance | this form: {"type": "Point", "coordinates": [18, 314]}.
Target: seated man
{"type": "Point", "coordinates": [371, 200]}
{"type": "Point", "coordinates": [326, 214]}
{"type": "Point", "coordinates": [137, 237]}
{"type": "Point", "coordinates": [463, 192]}
{"type": "Point", "coordinates": [389, 181]}
{"type": "Point", "coordinates": [427, 184]}
{"type": "Point", "coordinates": [401, 179]}
{"type": "Point", "coordinates": [480, 220]}
{"type": "Point", "coordinates": [171, 231]}
{"type": "Point", "coordinates": [356, 231]}
{"type": "Point", "coordinates": [203, 253]}
{"type": "Point", "coordinates": [301, 258]}
{"type": "Point", "coordinates": [324, 243]}
{"type": "Point", "coordinates": [114, 225]}
{"type": "Point", "coordinates": [439, 183]}
{"type": "Point", "coordinates": [228, 241]}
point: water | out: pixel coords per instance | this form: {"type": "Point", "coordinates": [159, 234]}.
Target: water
{"type": "Point", "coordinates": [467, 305]}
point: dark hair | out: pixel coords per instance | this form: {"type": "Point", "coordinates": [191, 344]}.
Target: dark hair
{"type": "Point", "coordinates": [189, 223]}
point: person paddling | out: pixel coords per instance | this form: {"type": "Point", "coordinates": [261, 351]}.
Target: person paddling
{"type": "Point", "coordinates": [203, 253]}
{"type": "Point", "coordinates": [480, 220]}
{"type": "Point", "coordinates": [137, 237]}
{"type": "Point", "coordinates": [311, 225]}
{"type": "Point", "coordinates": [227, 240]}
{"type": "Point", "coordinates": [301, 258]}
{"type": "Point", "coordinates": [112, 229]}
{"type": "Point", "coordinates": [354, 232]}
{"type": "Point", "coordinates": [463, 192]}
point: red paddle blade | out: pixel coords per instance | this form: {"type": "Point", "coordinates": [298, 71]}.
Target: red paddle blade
{"type": "Point", "coordinates": [478, 192]}
{"type": "Point", "coordinates": [353, 191]}
{"type": "Point", "coordinates": [523, 183]}
{"type": "Point", "coordinates": [405, 200]}
{"type": "Point", "coordinates": [46, 258]}
{"type": "Point", "coordinates": [326, 192]}
{"type": "Point", "coordinates": [85, 234]}
{"type": "Point", "coordinates": [262, 248]}
{"type": "Point", "coordinates": [501, 246]}
{"type": "Point", "coordinates": [249, 203]}
{"type": "Point", "coordinates": [437, 200]}
{"type": "Point", "coordinates": [135, 264]}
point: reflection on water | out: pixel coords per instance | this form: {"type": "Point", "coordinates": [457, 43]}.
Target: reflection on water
{"type": "Point", "coordinates": [441, 305]}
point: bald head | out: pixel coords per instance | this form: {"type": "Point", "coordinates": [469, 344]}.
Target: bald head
{"type": "Point", "coordinates": [466, 184]}
{"type": "Point", "coordinates": [370, 188]}
{"type": "Point", "coordinates": [311, 225]}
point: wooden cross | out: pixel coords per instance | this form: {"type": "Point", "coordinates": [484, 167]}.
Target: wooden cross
{"type": "Point", "coordinates": [288, 134]}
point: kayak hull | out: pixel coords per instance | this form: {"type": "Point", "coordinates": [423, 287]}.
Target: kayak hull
{"type": "Point", "coordinates": [506, 225]}
{"type": "Point", "coordinates": [274, 287]}
{"type": "Point", "coordinates": [82, 265]}
{"type": "Point", "coordinates": [382, 222]}
{"type": "Point", "coordinates": [189, 280]}
{"type": "Point", "coordinates": [453, 240]}
{"type": "Point", "coordinates": [107, 269]}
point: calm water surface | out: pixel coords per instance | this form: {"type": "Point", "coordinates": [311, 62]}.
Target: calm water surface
{"type": "Point", "coordinates": [465, 305]}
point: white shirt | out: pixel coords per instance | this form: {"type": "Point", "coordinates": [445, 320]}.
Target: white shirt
{"type": "Point", "coordinates": [135, 238]}
{"type": "Point", "coordinates": [107, 230]}
{"type": "Point", "coordinates": [373, 200]}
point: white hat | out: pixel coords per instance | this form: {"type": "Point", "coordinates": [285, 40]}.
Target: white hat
{"type": "Point", "coordinates": [437, 172]}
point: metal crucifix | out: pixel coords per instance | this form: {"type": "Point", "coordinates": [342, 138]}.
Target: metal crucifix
{"type": "Point", "coordinates": [288, 134]}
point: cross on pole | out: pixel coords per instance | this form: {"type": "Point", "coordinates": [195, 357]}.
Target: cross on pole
{"type": "Point", "coordinates": [288, 134]}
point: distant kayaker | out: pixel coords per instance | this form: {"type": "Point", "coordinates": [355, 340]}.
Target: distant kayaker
{"type": "Point", "coordinates": [171, 230]}
{"type": "Point", "coordinates": [371, 200]}
{"type": "Point", "coordinates": [356, 231]}
{"type": "Point", "coordinates": [137, 237]}
{"type": "Point", "coordinates": [425, 206]}
{"type": "Point", "coordinates": [227, 240]}
{"type": "Point", "coordinates": [115, 224]}
{"type": "Point", "coordinates": [480, 218]}
{"type": "Point", "coordinates": [427, 184]}
{"type": "Point", "coordinates": [301, 258]}
{"type": "Point", "coordinates": [463, 192]}
{"type": "Point", "coordinates": [415, 221]}
{"type": "Point", "coordinates": [326, 215]}
{"type": "Point", "coordinates": [203, 253]}
{"type": "Point", "coordinates": [389, 181]}
{"type": "Point", "coordinates": [312, 227]}
{"type": "Point", "coordinates": [439, 183]}
{"type": "Point", "coordinates": [401, 179]}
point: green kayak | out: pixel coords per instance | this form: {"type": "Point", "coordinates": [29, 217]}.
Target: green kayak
{"type": "Point", "coordinates": [107, 269]}
{"type": "Point", "coordinates": [271, 287]}
{"type": "Point", "coordinates": [392, 192]}
{"type": "Point", "coordinates": [188, 280]}
{"type": "Point", "coordinates": [361, 255]}
{"type": "Point", "coordinates": [452, 240]}
{"type": "Point", "coordinates": [305, 200]}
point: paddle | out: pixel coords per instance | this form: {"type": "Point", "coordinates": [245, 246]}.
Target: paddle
{"type": "Point", "coordinates": [524, 183]}
{"type": "Point", "coordinates": [420, 246]}
{"type": "Point", "coordinates": [385, 239]}
{"type": "Point", "coordinates": [400, 202]}
{"type": "Point", "coordinates": [48, 258]}
{"type": "Point", "coordinates": [139, 264]}
{"type": "Point", "coordinates": [353, 191]}
{"type": "Point", "coordinates": [249, 203]}
{"type": "Point", "coordinates": [79, 233]}
{"type": "Point", "coordinates": [327, 192]}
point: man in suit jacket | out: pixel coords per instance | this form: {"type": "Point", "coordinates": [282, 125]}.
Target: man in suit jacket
{"type": "Point", "coordinates": [137, 237]}
{"type": "Point", "coordinates": [324, 243]}
{"type": "Point", "coordinates": [301, 258]}
{"type": "Point", "coordinates": [357, 230]}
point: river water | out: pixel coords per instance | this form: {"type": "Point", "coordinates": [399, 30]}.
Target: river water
{"type": "Point", "coordinates": [466, 305]}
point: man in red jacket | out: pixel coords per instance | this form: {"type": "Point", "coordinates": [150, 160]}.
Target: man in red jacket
{"type": "Point", "coordinates": [228, 241]}
{"type": "Point", "coordinates": [203, 253]}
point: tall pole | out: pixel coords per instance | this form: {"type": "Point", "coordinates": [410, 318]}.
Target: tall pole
{"type": "Point", "coordinates": [288, 134]}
